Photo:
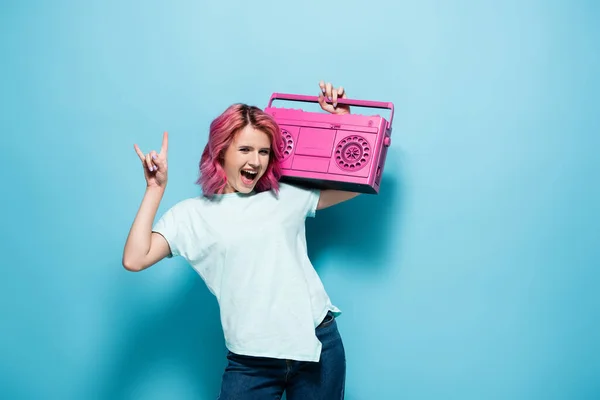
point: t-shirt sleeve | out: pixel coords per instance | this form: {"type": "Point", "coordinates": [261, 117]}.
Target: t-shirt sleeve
{"type": "Point", "coordinates": [169, 226]}
{"type": "Point", "coordinates": [312, 202]}
{"type": "Point", "coordinates": [304, 199]}
{"type": "Point", "coordinates": [189, 236]}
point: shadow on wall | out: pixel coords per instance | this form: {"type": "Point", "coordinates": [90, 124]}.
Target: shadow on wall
{"type": "Point", "coordinates": [364, 227]}
{"type": "Point", "coordinates": [184, 338]}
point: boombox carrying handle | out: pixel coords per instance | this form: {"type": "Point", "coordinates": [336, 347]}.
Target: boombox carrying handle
{"type": "Point", "coordinates": [351, 102]}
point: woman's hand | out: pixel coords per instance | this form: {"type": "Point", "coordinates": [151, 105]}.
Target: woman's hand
{"type": "Point", "coordinates": [331, 93]}
{"type": "Point", "coordinates": [155, 165]}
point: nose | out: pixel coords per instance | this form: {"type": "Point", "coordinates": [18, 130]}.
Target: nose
{"type": "Point", "coordinates": [254, 160]}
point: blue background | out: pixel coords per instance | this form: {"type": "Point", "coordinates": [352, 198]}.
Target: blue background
{"type": "Point", "coordinates": [473, 275]}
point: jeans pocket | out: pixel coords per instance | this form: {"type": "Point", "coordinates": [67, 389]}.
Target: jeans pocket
{"type": "Point", "coordinates": [327, 321]}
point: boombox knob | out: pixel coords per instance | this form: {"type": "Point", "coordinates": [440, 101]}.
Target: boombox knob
{"type": "Point", "coordinates": [387, 141]}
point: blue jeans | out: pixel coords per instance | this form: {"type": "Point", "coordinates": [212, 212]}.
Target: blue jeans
{"type": "Point", "coordinates": [261, 378]}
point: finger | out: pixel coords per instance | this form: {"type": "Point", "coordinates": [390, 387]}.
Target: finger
{"type": "Point", "coordinates": [322, 86]}
{"type": "Point", "coordinates": [342, 94]}
{"type": "Point", "coordinates": [154, 157]}
{"type": "Point", "coordinates": [334, 96]}
{"type": "Point", "coordinates": [157, 160]}
{"type": "Point", "coordinates": [328, 90]}
{"type": "Point", "coordinates": [149, 163]}
{"type": "Point", "coordinates": [165, 144]}
{"type": "Point", "coordinates": [321, 99]}
{"type": "Point", "coordinates": [323, 103]}
{"type": "Point", "coordinates": [160, 163]}
{"type": "Point", "coordinates": [139, 152]}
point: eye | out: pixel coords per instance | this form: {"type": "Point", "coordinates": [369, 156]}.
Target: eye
{"type": "Point", "coordinates": [265, 152]}
{"type": "Point", "coordinates": [244, 149]}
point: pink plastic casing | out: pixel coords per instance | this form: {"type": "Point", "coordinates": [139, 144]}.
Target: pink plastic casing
{"type": "Point", "coordinates": [329, 151]}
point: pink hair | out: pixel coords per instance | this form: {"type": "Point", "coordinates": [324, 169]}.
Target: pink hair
{"type": "Point", "coordinates": [222, 131]}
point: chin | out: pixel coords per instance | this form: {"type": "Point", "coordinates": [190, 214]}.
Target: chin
{"type": "Point", "coordinates": [242, 188]}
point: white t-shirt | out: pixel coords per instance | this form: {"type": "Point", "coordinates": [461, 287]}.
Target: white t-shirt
{"type": "Point", "coordinates": [250, 250]}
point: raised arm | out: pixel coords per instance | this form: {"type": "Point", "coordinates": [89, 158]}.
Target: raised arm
{"type": "Point", "coordinates": [330, 198]}
{"type": "Point", "coordinates": [143, 247]}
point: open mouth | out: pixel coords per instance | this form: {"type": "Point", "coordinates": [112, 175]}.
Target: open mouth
{"type": "Point", "coordinates": [248, 177]}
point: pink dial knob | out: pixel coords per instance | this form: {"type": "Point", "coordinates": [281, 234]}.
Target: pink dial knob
{"type": "Point", "coordinates": [387, 141]}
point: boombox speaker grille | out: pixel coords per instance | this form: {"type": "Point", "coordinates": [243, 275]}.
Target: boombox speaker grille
{"type": "Point", "coordinates": [352, 153]}
{"type": "Point", "coordinates": [287, 144]}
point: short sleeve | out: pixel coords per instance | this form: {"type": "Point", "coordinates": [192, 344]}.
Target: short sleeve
{"type": "Point", "coordinates": [302, 199]}
{"type": "Point", "coordinates": [313, 202]}
{"type": "Point", "coordinates": [169, 227]}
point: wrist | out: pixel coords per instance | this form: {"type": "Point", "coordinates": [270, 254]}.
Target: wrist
{"type": "Point", "coordinates": [155, 190]}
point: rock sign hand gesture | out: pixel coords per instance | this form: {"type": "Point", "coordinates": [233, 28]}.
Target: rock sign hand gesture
{"type": "Point", "coordinates": [155, 164]}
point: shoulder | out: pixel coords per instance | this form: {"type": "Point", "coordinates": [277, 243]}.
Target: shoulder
{"type": "Point", "coordinates": [299, 198]}
{"type": "Point", "coordinates": [182, 209]}
{"type": "Point", "coordinates": [182, 215]}
{"type": "Point", "coordinates": [185, 204]}
{"type": "Point", "coordinates": [294, 189]}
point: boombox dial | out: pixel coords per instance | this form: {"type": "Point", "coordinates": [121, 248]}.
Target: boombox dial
{"type": "Point", "coordinates": [352, 153]}
{"type": "Point", "coordinates": [287, 144]}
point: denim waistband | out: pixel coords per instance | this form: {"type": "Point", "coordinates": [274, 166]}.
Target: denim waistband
{"type": "Point", "coordinates": [327, 318]}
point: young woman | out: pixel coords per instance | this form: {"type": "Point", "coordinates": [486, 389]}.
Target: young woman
{"type": "Point", "coordinates": [245, 236]}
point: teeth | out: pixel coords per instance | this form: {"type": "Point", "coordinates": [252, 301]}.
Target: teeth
{"type": "Point", "coordinates": [250, 172]}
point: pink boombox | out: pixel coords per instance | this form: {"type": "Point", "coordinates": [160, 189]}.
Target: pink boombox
{"type": "Point", "coordinates": [329, 151]}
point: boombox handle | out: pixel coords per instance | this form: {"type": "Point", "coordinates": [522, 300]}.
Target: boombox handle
{"type": "Point", "coordinates": [351, 102]}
